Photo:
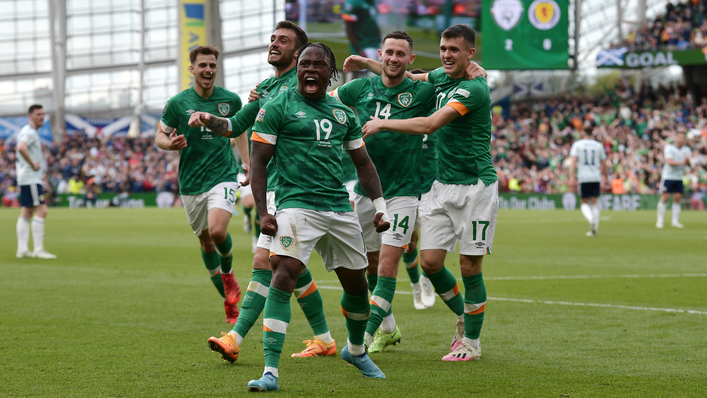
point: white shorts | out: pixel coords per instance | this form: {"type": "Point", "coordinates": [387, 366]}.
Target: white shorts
{"type": "Point", "coordinates": [244, 190]}
{"type": "Point", "coordinates": [421, 208]}
{"type": "Point", "coordinates": [349, 188]}
{"type": "Point", "coordinates": [337, 237]}
{"type": "Point", "coordinates": [464, 212]}
{"type": "Point", "coordinates": [402, 212]}
{"type": "Point", "coordinates": [222, 196]}
{"type": "Point", "coordinates": [265, 241]}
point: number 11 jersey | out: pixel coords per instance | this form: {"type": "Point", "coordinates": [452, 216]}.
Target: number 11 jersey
{"type": "Point", "coordinates": [589, 155]}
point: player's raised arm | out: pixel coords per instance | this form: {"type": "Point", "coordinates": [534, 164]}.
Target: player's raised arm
{"type": "Point", "coordinates": [371, 184]}
{"type": "Point", "coordinates": [414, 126]}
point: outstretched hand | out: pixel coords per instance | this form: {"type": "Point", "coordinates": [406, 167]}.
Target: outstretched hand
{"type": "Point", "coordinates": [354, 63]}
{"type": "Point", "coordinates": [373, 126]}
{"type": "Point", "coordinates": [197, 119]}
{"type": "Point", "coordinates": [268, 225]}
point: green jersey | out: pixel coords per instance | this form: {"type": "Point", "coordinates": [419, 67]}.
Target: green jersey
{"type": "Point", "coordinates": [208, 159]}
{"type": "Point", "coordinates": [464, 145]}
{"type": "Point", "coordinates": [362, 13]}
{"type": "Point", "coordinates": [428, 165]}
{"type": "Point", "coordinates": [396, 156]}
{"type": "Point", "coordinates": [308, 136]}
{"type": "Point", "coordinates": [267, 90]}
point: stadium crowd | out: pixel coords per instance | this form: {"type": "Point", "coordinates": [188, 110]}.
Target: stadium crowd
{"type": "Point", "coordinates": [530, 149]}
{"type": "Point", "coordinates": [682, 26]}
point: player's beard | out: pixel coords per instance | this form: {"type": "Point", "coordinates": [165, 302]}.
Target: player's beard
{"type": "Point", "coordinates": [284, 60]}
{"type": "Point", "coordinates": [401, 70]}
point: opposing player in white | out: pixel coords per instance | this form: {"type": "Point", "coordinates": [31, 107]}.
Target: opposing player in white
{"type": "Point", "coordinates": [677, 157]}
{"type": "Point", "coordinates": [588, 157]}
{"type": "Point", "coordinates": [30, 167]}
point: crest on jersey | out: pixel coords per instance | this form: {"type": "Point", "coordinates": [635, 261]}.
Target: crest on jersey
{"type": "Point", "coordinates": [164, 110]}
{"type": "Point", "coordinates": [405, 99]}
{"type": "Point", "coordinates": [340, 116]}
{"type": "Point", "coordinates": [507, 13]}
{"type": "Point", "coordinates": [283, 88]}
{"type": "Point", "coordinates": [224, 108]}
{"type": "Point", "coordinates": [286, 241]}
{"type": "Point", "coordinates": [544, 14]}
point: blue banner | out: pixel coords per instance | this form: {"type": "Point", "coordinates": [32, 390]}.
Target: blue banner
{"type": "Point", "coordinates": [10, 127]}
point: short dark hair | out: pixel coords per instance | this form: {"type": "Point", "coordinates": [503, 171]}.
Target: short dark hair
{"type": "Point", "coordinates": [33, 108]}
{"type": "Point", "coordinates": [460, 30]}
{"type": "Point", "coordinates": [206, 50]}
{"type": "Point", "coordinates": [302, 38]}
{"type": "Point", "coordinates": [329, 57]}
{"type": "Point", "coordinates": [398, 34]}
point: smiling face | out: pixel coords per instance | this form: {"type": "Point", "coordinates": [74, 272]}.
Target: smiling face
{"type": "Point", "coordinates": [283, 48]}
{"type": "Point", "coordinates": [204, 70]}
{"type": "Point", "coordinates": [396, 55]}
{"type": "Point", "coordinates": [313, 73]}
{"type": "Point", "coordinates": [455, 55]}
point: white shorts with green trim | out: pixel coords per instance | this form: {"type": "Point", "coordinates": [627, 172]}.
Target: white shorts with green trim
{"type": "Point", "coordinates": [402, 212]}
{"type": "Point", "coordinates": [464, 212]}
{"type": "Point", "coordinates": [222, 196]}
{"type": "Point", "coordinates": [264, 241]}
{"type": "Point", "coordinates": [421, 208]}
{"type": "Point", "coordinates": [337, 237]}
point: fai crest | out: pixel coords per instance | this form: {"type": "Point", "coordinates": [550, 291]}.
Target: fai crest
{"type": "Point", "coordinates": [405, 99]}
{"type": "Point", "coordinates": [507, 13]}
{"type": "Point", "coordinates": [286, 241]}
{"type": "Point", "coordinates": [224, 108]}
{"type": "Point", "coordinates": [283, 88]}
{"type": "Point", "coordinates": [340, 116]}
{"type": "Point", "coordinates": [544, 14]}
{"type": "Point", "coordinates": [164, 110]}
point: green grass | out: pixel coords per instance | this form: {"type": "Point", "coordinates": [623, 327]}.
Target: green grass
{"type": "Point", "coordinates": [127, 307]}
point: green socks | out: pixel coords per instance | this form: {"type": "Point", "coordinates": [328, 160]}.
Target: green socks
{"type": "Point", "coordinates": [253, 302]}
{"type": "Point", "coordinates": [474, 305]}
{"type": "Point", "coordinates": [356, 309]}
{"type": "Point", "coordinates": [212, 262]}
{"type": "Point", "coordinates": [381, 300]}
{"type": "Point", "coordinates": [411, 260]}
{"type": "Point", "coordinates": [372, 281]}
{"type": "Point", "coordinates": [225, 251]}
{"type": "Point", "coordinates": [447, 288]}
{"type": "Point", "coordinates": [276, 318]}
{"type": "Point", "coordinates": [310, 300]}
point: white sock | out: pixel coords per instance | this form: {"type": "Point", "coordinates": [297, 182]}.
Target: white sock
{"type": "Point", "coordinates": [595, 215]}
{"type": "Point", "coordinates": [586, 212]}
{"type": "Point", "coordinates": [22, 234]}
{"type": "Point", "coordinates": [367, 339]}
{"type": "Point", "coordinates": [271, 370]}
{"type": "Point", "coordinates": [239, 338]}
{"type": "Point", "coordinates": [676, 212]}
{"type": "Point", "coordinates": [326, 338]}
{"type": "Point", "coordinates": [661, 211]}
{"type": "Point", "coordinates": [474, 343]}
{"type": "Point", "coordinates": [388, 324]}
{"type": "Point", "coordinates": [356, 349]}
{"type": "Point", "coordinates": [460, 318]}
{"type": "Point", "coordinates": [38, 234]}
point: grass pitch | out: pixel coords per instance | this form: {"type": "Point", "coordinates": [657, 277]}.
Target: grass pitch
{"type": "Point", "coordinates": [127, 308]}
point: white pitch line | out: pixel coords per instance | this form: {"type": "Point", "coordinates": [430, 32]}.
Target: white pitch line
{"type": "Point", "coordinates": [550, 277]}
{"type": "Point", "coordinates": [530, 301]}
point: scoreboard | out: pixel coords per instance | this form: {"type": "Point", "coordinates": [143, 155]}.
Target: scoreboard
{"type": "Point", "coordinates": [525, 34]}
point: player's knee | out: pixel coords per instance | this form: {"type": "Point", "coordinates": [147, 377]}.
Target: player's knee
{"type": "Point", "coordinates": [261, 259]}
{"type": "Point", "coordinates": [218, 234]}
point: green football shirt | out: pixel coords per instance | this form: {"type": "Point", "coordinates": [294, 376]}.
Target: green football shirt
{"type": "Point", "coordinates": [464, 145]}
{"type": "Point", "coordinates": [267, 90]}
{"type": "Point", "coordinates": [309, 137]}
{"type": "Point", "coordinates": [396, 156]}
{"type": "Point", "coordinates": [363, 14]}
{"type": "Point", "coordinates": [208, 159]}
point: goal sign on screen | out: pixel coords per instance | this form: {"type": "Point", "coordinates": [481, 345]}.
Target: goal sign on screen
{"type": "Point", "coordinates": [525, 34]}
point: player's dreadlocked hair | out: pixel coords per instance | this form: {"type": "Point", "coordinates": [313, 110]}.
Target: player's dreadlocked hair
{"type": "Point", "coordinates": [329, 57]}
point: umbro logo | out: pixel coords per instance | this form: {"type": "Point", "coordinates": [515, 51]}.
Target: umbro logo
{"type": "Point", "coordinates": [480, 244]}
{"type": "Point", "coordinates": [370, 95]}
{"type": "Point", "coordinates": [301, 114]}
{"type": "Point", "coordinates": [190, 111]}
{"type": "Point", "coordinates": [271, 340]}
{"type": "Point", "coordinates": [397, 236]}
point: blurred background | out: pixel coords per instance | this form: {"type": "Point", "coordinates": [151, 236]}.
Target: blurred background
{"type": "Point", "coordinates": [103, 71]}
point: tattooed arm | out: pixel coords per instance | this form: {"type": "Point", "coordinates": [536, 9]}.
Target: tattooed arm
{"type": "Point", "coordinates": [232, 127]}
{"type": "Point", "coordinates": [371, 184]}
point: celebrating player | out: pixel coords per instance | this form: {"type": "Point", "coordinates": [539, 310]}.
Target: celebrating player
{"type": "Point", "coordinates": [677, 157]}
{"type": "Point", "coordinates": [30, 167]}
{"type": "Point", "coordinates": [207, 169]}
{"type": "Point", "coordinates": [305, 131]}
{"type": "Point", "coordinates": [463, 202]}
{"type": "Point", "coordinates": [588, 158]}
{"type": "Point", "coordinates": [285, 43]}
{"type": "Point", "coordinates": [397, 159]}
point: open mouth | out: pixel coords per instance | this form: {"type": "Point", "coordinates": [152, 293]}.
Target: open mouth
{"type": "Point", "coordinates": [448, 64]}
{"type": "Point", "coordinates": [310, 85]}
{"type": "Point", "coordinates": [207, 78]}
{"type": "Point", "coordinates": [393, 68]}
{"type": "Point", "coordinates": [274, 53]}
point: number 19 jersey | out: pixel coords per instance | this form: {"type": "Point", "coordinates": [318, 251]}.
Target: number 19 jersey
{"type": "Point", "coordinates": [589, 155]}
{"type": "Point", "coordinates": [309, 137]}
